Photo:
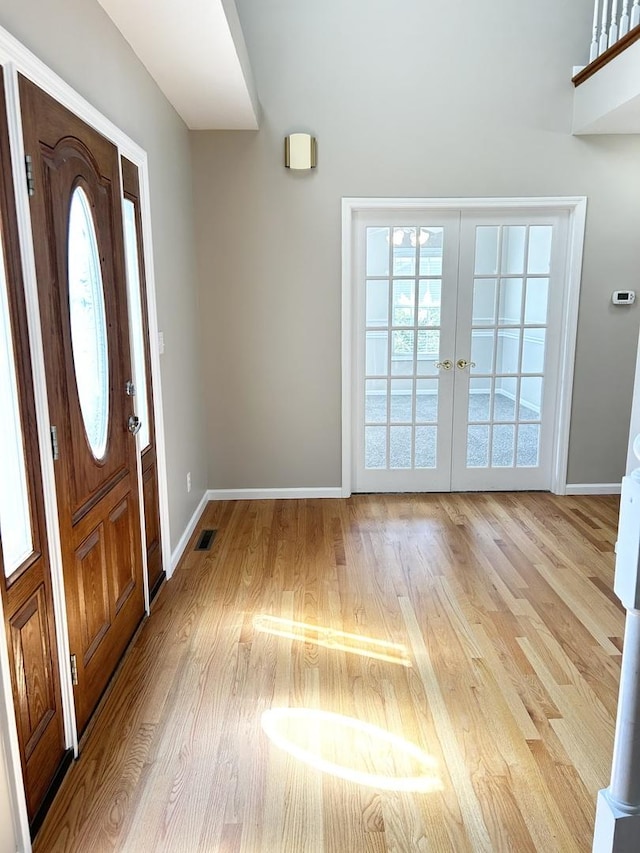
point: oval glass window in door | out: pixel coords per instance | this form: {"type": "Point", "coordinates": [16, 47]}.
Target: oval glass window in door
{"type": "Point", "coordinates": [88, 323]}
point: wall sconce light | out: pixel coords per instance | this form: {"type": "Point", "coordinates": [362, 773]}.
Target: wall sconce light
{"type": "Point", "coordinates": [300, 151]}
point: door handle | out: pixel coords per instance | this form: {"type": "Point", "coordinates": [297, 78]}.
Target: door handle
{"type": "Point", "coordinates": [462, 363]}
{"type": "Point", "coordinates": [134, 424]}
{"type": "Point", "coordinates": [445, 365]}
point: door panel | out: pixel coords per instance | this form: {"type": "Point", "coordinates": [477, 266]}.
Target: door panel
{"type": "Point", "coordinates": [77, 226]}
{"type": "Point", "coordinates": [25, 580]}
{"type": "Point", "coordinates": [510, 294]}
{"type": "Point", "coordinates": [405, 316]}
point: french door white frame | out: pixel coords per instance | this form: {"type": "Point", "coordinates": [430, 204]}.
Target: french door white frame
{"type": "Point", "coordinates": [575, 206]}
{"type": "Point", "coordinates": [16, 59]}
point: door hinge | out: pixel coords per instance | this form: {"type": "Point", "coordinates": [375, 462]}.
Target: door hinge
{"type": "Point", "coordinates": [74, 670]}
{"type": "Point", "coordinates": [54, 443]}
{"type": "Point", "coordinates": [31, 185]}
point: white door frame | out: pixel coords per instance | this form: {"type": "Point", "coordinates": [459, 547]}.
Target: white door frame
{"type": "Point", "coordinates": [15, 59]}
{"type": "Point", "coordinates": [576, 207]}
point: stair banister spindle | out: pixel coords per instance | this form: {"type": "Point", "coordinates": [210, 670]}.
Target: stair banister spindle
{"type": "Point", "coordinates": [603, 44]}
{"type": "Point", "coordinates": [624, 18]}
{"type": "Point", "coordinates": [613, 23]}
{"type": "Point", "coordinates": [635, 14]}
{"type": "Point", "coordinates": [593, 51]}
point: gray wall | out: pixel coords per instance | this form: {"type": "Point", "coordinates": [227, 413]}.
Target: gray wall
{"type": "Point", "coordinates": [89, 53]}
{"type": "Point", "coordinates": [407, 99]}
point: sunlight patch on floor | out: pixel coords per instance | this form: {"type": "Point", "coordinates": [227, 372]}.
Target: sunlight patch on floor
{"type": "Point", "coordinates": [329, 638]}
{"type": "Point", "coordinates": [352, 749]}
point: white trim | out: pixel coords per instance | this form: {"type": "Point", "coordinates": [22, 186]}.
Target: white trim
{"type": "Point", "coordinates": [347, 309]}
{"type": "Point", "coordinates": [569, 332]}
{"type": "Point", "coordinates": [575, 205]}
{"type": "Point", "coordinates": [180, 548]}
{"type": "Point", "coordinates": [274, 494]}
{"type": "Point", "coordinates": [593, 489]}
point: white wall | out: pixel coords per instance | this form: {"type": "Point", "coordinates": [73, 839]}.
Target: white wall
{"type": "Point", "coordinates": [78, 41]}
{"type": "Point", "coordinates": [407, 99]}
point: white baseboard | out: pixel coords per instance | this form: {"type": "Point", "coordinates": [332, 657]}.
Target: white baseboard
{"type": "Point", "coordinates": [179, 550]}
{"type": "Point", "coordinates": [593, 488]}
{"type": "Point", "coordinates": [272, 494]}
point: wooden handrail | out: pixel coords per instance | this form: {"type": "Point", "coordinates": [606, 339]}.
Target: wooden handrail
{"type": "Point", "coordinates": [600, 61]}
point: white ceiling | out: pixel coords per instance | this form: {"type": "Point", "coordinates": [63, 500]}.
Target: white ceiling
{"type": "Point", "coordinates": [195, 51]}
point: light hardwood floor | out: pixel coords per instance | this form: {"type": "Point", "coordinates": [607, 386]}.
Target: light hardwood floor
{"type": "Point", "coordinates": [503, 604]}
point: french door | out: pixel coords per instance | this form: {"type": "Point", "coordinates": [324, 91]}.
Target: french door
{"type": "Point", "coordinates": [456, 345]}
{"type": "Point", "coordinates": [76, 218]}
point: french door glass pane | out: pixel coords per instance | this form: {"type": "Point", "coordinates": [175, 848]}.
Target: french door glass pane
{"type": "Point", "coordinates": [484, 302]}
{"type": "Point", "coordinates": [539, 262]}
{"type": "Point", "coordinates": [404, 293]}
{"type": "Point", "coordinates": [503, 446]}
{"type": "Point", "coordinates": [477, 446]}
{"type": "Point", "coordinates": [402, 344]}
{"type": "Point", "coordinates": [400, 446]}
{"type": "Point", "coordinates": [375, 446]}
{"type": "Point", "coordinates": [15, 515]}
{"type": "Point", "coordinates": [431, 243]}
{"type": "Point", "coordinates": [375, 407]}
{"type": "Point", "coordinates": [480, 396]}
{"type": "Point", "coordinates": [427, 400]}
{"type": "Point", "coordinates": [510, 311]}
{"type": "Point", "coordinates": [377, 303]}
{"type": "Point", "coordinates": [404, 251]}
{"type": "Point", "coordinates": [513, 247]}
{"type": "Point", "coordinates": [377, 353]}
{"type": "Point", "coordinates": [429, 303]}
{"type": "Point", "coordinates": [508, 351]}
{"type": "Point", "coordinates": [487, 242]}
{"type": "Point", "coordinates": [535, 310]}
{"type": "Point", "coordinates": [377, 251]}
{"type": "Point", "coordinates": [533, 350]}
{"type": "Point", "coordinates": [426, 446]}
{"type": "Point", "coordinates": [506, 396]}
{"type": "Point", "coordinates": [530, 398]}
{"type": "Point", "coordinates": [528, 445]}
{"type": "Point", "coordinates": [482, 345]}
{"type": "Point", "coordinates": [88, 323]}
{"type": "Point", "coordinates": [402, 401]}
{"type": "Point", "coordinates": [135, 318]}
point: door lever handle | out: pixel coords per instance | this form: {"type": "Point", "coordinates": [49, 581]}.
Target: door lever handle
{"type": "Point", "coordinates": [462, 363]}
{"type": "Point", "coordinates": [134, 424]}
{"type": "Point", "coordinates": [445, 365]}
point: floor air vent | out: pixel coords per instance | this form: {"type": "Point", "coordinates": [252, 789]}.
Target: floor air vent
{"type": "Point", "coordinates": [205, 540]}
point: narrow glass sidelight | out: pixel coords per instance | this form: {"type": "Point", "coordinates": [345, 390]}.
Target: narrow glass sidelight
{"type": "Point", "coordinates": [88, 323]}
{"type": "Point", "coordinates": [136, 321]}
{"type": "Point", "coordinates": [15, 514]}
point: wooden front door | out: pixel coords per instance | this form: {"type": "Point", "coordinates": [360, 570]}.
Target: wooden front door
{"type": "Point", "coordinates": [77, 229]}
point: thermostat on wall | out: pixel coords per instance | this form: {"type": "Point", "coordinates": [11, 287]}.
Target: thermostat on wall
{"type": "Point", "coordinates": [623, 297]}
